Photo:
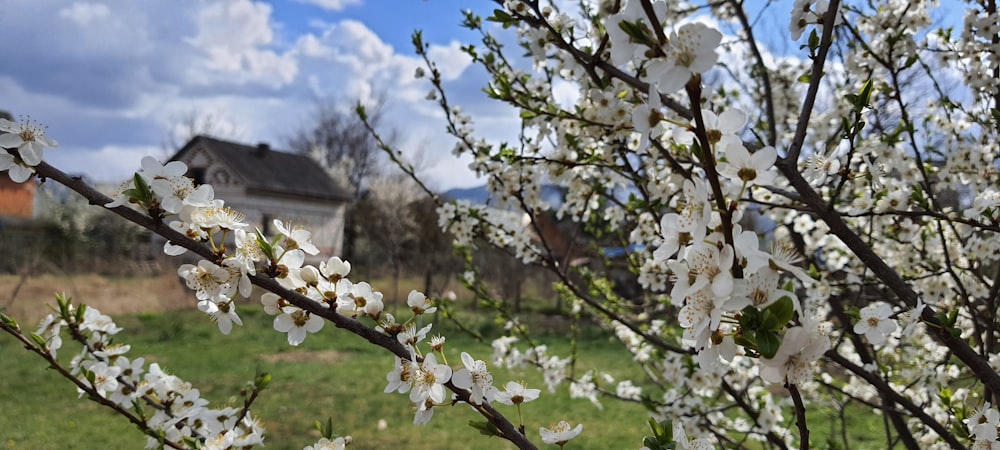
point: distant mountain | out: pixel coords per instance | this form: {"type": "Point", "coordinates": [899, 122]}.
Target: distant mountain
{"type": "Point", "coordinates": [478, 195]}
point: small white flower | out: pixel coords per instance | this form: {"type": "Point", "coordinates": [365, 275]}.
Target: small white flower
{"type": "Point", "coordinates": [910, 318]}
{"type": "Point", "coordinates": [360, 298]}
{"type": "Point", "coordinates": [648, 119]}
{"type": "Point", "coordinates": [16, 170]}
{"type": "Point", "coordinates": [983, 425]}
{"type": "Point", "coordinates": [742, 167]}
{"type": "Point", "coordinates": [49, 330]}
{"type": "Point", "coordinates": [691, 51]}
{"type": "Point", "coordinates": [296, 237]}
{"type": "Point", "coordinates": [28, 138]}
{"type": "Point", "coordinates": [297, 323]}
{"type": "Point", "coordinates": [335, 269]}
{"type": "Point", "coordinates": [437, 343]}
{"type": "Point", "coordinates": [401, 377]}
{"type": "Point", "coordinates": [515, 393]}
{"type": "Point", "coordinates": [560, 433]}
{"type": "Point", "coordinates": [476, 378]}
{"type": "Point", "coordinates": [419, 303]}
{"type": "Point", "coordinates": [428, 381]}
{"type": "Point", "coordinates": [425, 411]}
{"type": "Point", "coordinates": [105, 377]}
{"type": "Point", "coordinates": [410, 336]}
{"type": "Point", "coordinates": [339, 443]}
{"type": "Point", "coordinates": [222, 441]}
{"type": "Point", "coordinates": [875, 323]}
{"type": "Point", "coordinates": [208, 280]}
{"type": "Point", "coordinates": [793, 362]}
{"type": "Point", "coordinates": [223, 313]}
{"type": "Point", "coordinates": [723, 129]}
{"type": "Point", "coordinates": [153, 170]}
{"type": "Point", "coordinates": [680, 437]}
{"type": "Point", "coordinates": [819, 167]}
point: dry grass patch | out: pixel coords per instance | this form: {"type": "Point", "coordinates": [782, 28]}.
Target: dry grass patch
{"type": "Point", "coordinates": [111, 295]}
{"type": "Point", "coordinates": [318, 356]}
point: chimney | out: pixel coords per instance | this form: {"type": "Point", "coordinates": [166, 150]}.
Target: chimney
{"type": "Point", "coordinates": [262, 149]}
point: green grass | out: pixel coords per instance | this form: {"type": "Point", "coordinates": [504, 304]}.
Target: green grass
{"type": "Point", "coordinates": [337, 375]}
{"type": "Point", "coordinates": [333, 374]}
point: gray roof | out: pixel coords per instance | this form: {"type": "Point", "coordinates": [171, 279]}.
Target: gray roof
{"type": "Point", "coordinates": [264, 170]}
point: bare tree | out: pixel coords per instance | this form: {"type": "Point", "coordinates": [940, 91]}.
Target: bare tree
{"type": "Point", "coordinates": [193, 123]}
{"type": "Point", "coordinates": [338, 139]}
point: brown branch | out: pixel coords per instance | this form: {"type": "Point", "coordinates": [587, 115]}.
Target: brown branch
{"type": "Point", "coordinates": [979, 366]}
{"type": "Point", "coordinates": [90, 390]}
{"type": "Point", "coordinates": [800, 416]}
{"type": "Point", "coordinates": [508, 430]}
{"type": "Point", "coordinates": [816, 75]}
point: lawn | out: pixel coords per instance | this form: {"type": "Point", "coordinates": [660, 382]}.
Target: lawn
{"type": "Point", "coordinates": [333, 374]}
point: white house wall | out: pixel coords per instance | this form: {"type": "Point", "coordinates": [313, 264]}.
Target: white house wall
{"type": "Point", "coordinates": [325, 219]}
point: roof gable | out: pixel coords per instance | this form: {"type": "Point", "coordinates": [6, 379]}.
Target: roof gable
{"type": "Point", "coordinates": [265, 170]}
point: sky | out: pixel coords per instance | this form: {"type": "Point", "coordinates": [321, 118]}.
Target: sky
{"type": "Point", "coordinates": [113, 79]}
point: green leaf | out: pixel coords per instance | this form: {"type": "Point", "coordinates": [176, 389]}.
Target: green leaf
{"type": "Point", "coordinates": [864, 98]}
{"type": "Point", "coordinates": [326, 429]}
{"type": "Point", "coordinates": [262, 380]}
{"type": "Point", "coordinates": [8, 320]}
{"type": "Point", "coordinates": [265, 247]}
{"type": "Point", "coordinates": [638, 32]}
{"type": "Point", "coordinates": [418, 40]}
{"type": "Point", "coordinates": [503, 18]}
{"type": "Point", "coordinates": [662, 437]}
{"type": "Point", "coordinates": [778, 314]}
{"type": "Point", "coordinates": [750, 319]}
{"type": "Point", "coordinates": [39, 341]}
{"type": "Point", "coordinates": [768, 343]}
{"type": "Point", "coordinates": [805, 78]}
{"type": "Point", "coordinates": [485, 428]}
{"type": "Point", "coordinates": [813, 41]}
{"type": "Point", "coordinates": [145, 194]}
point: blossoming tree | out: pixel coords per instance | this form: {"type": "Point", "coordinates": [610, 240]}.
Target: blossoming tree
{"type": "Point", "coordinates": [810, 229]}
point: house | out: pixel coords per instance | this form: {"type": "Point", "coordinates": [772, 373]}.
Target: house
{"type": "Point", "coordinates": [17, 200]}
{"type": "Point", "coordinates": [266, 184]}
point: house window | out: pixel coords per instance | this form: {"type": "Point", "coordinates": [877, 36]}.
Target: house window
{"type": "Point", "coordinates": [197, 174]}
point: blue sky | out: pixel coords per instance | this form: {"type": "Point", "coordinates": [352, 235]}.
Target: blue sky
{"type": "Point", "coordinates": [112, 78]}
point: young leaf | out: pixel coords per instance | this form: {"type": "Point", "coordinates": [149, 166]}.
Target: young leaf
{"type": "Point", "coordinates": [778, 314]}
{"type": "Point", "coordinates": [485, 428]}
{"type": "Point", "coordinates": [768, 343]}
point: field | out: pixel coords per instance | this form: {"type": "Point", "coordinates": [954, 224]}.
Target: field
{"type": "Point", "coordinates": [333, 374]}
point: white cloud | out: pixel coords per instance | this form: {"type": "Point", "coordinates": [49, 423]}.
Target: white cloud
{"type": "Point", "coordinates": [84, 13]}
{"type": "Point", "coordinates": [451, 60]}
{"type": "Point", "coordinates": [113, 81]}
{"type": "Point", "coordinates": [235, 37]}
{"type": "Point", "coordinates": [332, 5]}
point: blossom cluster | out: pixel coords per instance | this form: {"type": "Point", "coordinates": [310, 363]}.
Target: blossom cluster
{"type": "Point", "coordinates": [164, 190]}
{"type": "Point", "coordinates": [179, 413]}
{"type": "Point", "coordinates": [780, 215]}
{"type": "Point", "coordinates": [24, 143]}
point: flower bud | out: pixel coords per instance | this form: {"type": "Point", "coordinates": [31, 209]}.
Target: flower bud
{"type": "Point", "coordinates": [310, 275]}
